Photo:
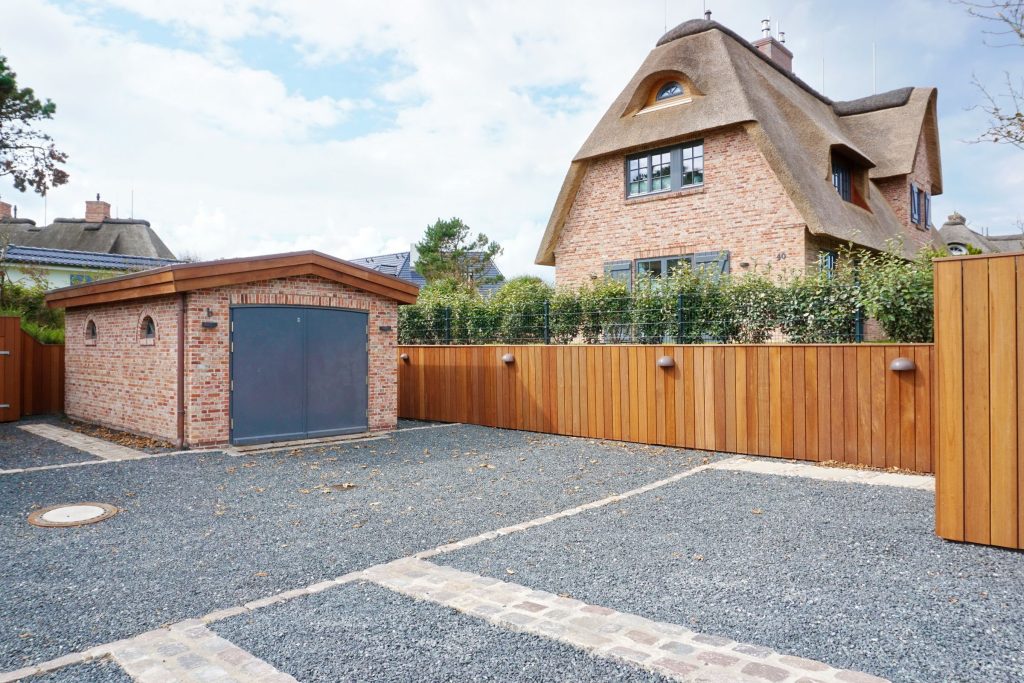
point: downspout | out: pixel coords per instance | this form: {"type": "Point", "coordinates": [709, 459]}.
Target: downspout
{"type": "Point", "coordinates": [181, 370]}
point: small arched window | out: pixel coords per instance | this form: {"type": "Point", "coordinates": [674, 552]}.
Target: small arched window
{"type": "Point", "coordinates": [90, 331]}
{"type": "Point", "coordinates": [148, 328]}
{"type": "Point", "coordinates": [671, 89]}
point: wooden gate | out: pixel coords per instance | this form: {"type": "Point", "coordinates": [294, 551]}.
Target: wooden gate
{"type": "Point", "coordinates": [979, 346]}
{"type": "Point", "coordinates": [31, 374]}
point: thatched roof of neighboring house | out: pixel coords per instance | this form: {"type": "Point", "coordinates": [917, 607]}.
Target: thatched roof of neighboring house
{"type": "Point", "coordinates": [794, 126]}
{"type": "Point", "coordinates": [129, 237]}
{"type": "Point", "coordinates": [954, 232]}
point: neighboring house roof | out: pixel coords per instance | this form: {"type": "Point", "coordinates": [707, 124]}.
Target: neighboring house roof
{"type": "Point", "coordinates": [400, 265]}
{"type": "Point", "coordinates": [39, 256]}
{"type": "Point", "coordinates": [129, 237]}
{"type": "Point", "coordinates": [187, 277]}
{"type": "Point", "coordinates": [955, 233]}
{"type": "Point", "coordinates": [794, 126]}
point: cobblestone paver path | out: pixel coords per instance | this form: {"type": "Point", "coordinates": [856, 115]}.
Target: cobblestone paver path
{"type": "Point", "coordinates": [670, 650]}
{"type": "Point", "coordinates": [187, 652]}
{"type": "Point", "coordinates": [89, 444]}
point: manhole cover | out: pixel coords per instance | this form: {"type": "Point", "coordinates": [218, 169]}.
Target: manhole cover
{"type": "Point", "coordinates": [75, 514]}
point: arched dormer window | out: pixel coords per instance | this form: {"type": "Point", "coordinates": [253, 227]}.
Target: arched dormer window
{"type": "Point", "coordinates": [669, 90]}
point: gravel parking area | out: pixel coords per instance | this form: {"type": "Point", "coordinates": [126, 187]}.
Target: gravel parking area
{"type": "Point", "coordinates": [20, 449]}
{"type": "Point", "coordinates": [848, 574]}
{"type": "Point", "coordinates": [200, 532]}
{"type": "Point", "coordinates": [100, 671]}
{"type": "Point", "coordinates": [362, 632]}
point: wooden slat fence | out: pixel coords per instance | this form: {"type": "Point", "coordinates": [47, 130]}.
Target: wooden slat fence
{"type": "Point", "coordinates": [979, 346]}
{"type": "Point", "coordinates": [813, 402]}
{"type": "Point", "coordinates": [31, 374]}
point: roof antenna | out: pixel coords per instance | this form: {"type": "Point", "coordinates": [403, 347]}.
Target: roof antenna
{"type": "Point", "coordinates": [874, 70]}
{"type": "Point", "coordinates": [666, 16]}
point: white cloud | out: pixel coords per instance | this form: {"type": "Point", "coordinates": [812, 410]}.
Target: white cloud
{"type": "Point", "coordinates": [228, 159]}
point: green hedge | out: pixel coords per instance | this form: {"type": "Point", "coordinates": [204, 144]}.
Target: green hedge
{"type": "Point", "coordinates": [690, 306]}
{"type": "Point", "coordinates": [28, 303]}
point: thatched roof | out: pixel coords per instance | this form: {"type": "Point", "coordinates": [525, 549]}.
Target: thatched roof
{"type": "Point", "coordinates": [128, 237]}
{"type": "Point", "coordinates": [794, 126]}
{"type": "Point", "coordinates": [955, 232]}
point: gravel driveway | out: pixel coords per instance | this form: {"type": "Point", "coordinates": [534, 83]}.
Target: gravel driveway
{"type": "Point", "coordinates": [20, 449]}
{"type": "Point", "coordinates": [200, 532]}
{"type": "Point", "coordinates": [362, 632]}
{"type": "Point", "coordinates": [848, 574]}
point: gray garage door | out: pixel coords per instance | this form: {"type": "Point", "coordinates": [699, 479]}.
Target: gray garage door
{"type": "Point", "coordinates": [297, 373]}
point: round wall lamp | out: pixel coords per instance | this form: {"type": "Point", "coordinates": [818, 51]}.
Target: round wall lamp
{"type": "Point", "coordinates": [508, 359]}
{"type": "Point", "coordinates": [405, 357]}
{"type": "Point", "coordinates": [666, 362]}
{"type": "Point", "coordinates": [902, 364]}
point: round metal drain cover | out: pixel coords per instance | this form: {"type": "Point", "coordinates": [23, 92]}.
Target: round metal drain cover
{"type": "Point", "coordinates": [75, 514]}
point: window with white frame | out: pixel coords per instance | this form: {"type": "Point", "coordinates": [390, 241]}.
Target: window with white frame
{"type": "Point", "coordinates": [665, 169]}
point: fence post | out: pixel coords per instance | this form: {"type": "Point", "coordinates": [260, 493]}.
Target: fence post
{"type": "Point", "coordinates": [547, 322]}
{"type": "Point", "coordinates": [447, 324]}
{"type": "Point", "coordinates": [682, 320]}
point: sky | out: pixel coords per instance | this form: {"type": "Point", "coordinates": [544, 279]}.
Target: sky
{"type": "Point", "coordinates": [240, 127]}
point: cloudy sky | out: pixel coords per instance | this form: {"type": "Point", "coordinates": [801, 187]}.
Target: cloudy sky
{"type": "Point", "coordinates": [255, 126]}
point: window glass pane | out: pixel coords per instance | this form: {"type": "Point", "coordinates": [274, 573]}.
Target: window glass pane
{"type": "Point", "coordinates": [651, 268]}
{"type": "Point", "coordinates": [669, 90]}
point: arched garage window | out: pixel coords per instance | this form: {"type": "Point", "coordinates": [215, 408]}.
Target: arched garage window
{"type": "Point", "coordinates": [147, 330]}
{"type": "Point", "coordinates": [90, 333]}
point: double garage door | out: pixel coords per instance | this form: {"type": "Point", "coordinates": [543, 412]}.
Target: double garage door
{"type": "Point", "coordinates": [297, 373]}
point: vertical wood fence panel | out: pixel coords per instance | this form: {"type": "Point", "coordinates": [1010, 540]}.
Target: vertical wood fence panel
{"type": "Point", "coordinates": [979, 353]}
{"type": "Point", "coordinates": [31, 374]}
{"type": "Point", "coordinates": [817, 403]}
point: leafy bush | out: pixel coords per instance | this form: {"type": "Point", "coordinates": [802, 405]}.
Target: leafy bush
{"type": "Point", "coordinates": [27, 301]}
{"type": "Point", "coordinates": [604, 311]}
{"type": "Point", "coordinates": [565, 316]}
{"type": "Point", "coordinates": [820, 308]}
{"type": "Point", "coordinates": [900, 295]}
{"type": "Point", "coordinates": [519, 309]}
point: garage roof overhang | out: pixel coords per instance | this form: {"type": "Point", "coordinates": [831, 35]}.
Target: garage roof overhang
{"type": "Point", "coordinates": [211, 274]}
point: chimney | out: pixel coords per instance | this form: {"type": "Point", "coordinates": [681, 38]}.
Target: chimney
{"type": "Point", "coordinates": [774, 49]}
{"type": "Point", "coordinates": [5, 210]}
{"type": "Point", "coordinates": [707, 15]}
{"type": "Point", "coordinates": [97, 211]}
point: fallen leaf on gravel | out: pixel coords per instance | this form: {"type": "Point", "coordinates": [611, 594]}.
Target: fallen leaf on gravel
{"type": "Point", "coordinates": [487, 465]}
{"type": "Point", "coordinates": [24, 635]}
{"type": "Point", "coordinates": [258, 489]}
{"type": "Point", "coordinates": [510, 571]}
{"type": "Point", "coordinates": [303, 490]}
{"type": "Point", "coordinates": [249, 464]}
{"type": "Point", "coordinates": [758, 511]}
{"type": "Point", "coordinates": [261, 574]}
{"type": "Point", "coordinates": [359, 524]}
{"type": "Point", "coordinates": [343, 486]}
{"type": "Point", "coordinates": [230, 470]}
{"type": "Point", "coordinates": [699, 558]}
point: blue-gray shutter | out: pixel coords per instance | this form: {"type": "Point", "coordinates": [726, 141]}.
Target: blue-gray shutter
{"type": "Point", "coordinates": [620, 270]}
{"type": "Point", "coordinates": [927, 210]}
{"type": "Point", "coordinates": [915, 205]}
{"type": "Point", "coordinates": [716, 262]}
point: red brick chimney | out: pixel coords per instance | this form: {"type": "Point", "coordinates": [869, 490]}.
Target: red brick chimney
{"type": "Point", "coordinates": [775, 50]}
{"type": "Point", "coordinates": [5, 210]}
{"type": "Point", "coordinates": [97, 211]}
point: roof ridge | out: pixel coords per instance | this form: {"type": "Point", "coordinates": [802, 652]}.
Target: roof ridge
{"type": "Point", "coordinates": [93, 253]}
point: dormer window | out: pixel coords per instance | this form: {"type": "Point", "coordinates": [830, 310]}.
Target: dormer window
{"type": "Point", "coordinates": [669, 90]}
{"type": "Point", "coordinates": [850, 178]}
{"type": "Point", "coordinates": [842, 176]}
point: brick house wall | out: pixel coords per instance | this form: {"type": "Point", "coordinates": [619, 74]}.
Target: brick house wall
{"type": "Point", "coordinates": [140, 396]}
{"type": "Point", "coordinates": [754, 220]}
{"type": "Point", "coordinates": [120, 380]}
{"type": "Point", "coordinates": [896, 191]}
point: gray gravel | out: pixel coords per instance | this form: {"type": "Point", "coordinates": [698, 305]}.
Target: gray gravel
{"type": "Point", "coordinates": [365, 632]}
{"type": "Point", "coordinates": [848, 574]}
{"type": "Point", "coordinates": [99, 671]}
{"type": "Point", "coordinates": [200, 532]}
{"type": "Point", "coordinates": [20, 449]}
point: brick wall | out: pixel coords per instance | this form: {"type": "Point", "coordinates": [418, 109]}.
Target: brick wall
{"type": "Point", "coordinates": [741, 208]}
{"type": "Point", "coordinates": [128, 383]}
{"type": "Point", "coordinates": [896, 191]}
{"type": "Point", "coordinates": [121, 380]}
{"type": "Point", "coordinates": [207, 381]}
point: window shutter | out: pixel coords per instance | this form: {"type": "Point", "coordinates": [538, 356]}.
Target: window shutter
{"type": "Point", "coordinates": [620, 270]}
{"type": "Point", "coordinates": [716, 262]}
{"type": "Point", "coordinates": [927, 210]}
{"type": "Point", "coordinates": [915, 206]}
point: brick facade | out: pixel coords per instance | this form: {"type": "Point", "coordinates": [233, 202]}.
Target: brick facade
{"type": "Point", "coordinates": [141, 395]}
{"type": "Point", "coordinates": [896, 191]}
{"type": "Point", "coordinates": [742, 208]}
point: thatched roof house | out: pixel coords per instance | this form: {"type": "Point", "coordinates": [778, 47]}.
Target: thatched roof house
{"type": "Point", "coordinates": [729, 95]}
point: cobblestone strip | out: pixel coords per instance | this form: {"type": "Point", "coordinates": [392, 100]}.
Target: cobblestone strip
{"type": "Point", "coordinates": [789, 468]}
{"type": "Point", "coordinates": [189, 652]}
{"type": "Point", "coordinates": [523, 526]}
{"type": "Point", "coordinates": [89, 444]}
{"type": "Point", "coordinates": [670, 650]}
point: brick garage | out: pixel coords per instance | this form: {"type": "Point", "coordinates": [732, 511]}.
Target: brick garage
{"type": "Point", "coordinates": [172, 379]}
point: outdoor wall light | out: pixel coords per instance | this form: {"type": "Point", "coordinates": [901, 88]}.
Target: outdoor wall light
{"type": "Point", "coordinates": [902, 364]}
{"type": "Point", "coordinates": [405, 357]}
{"type": "Point", "coordinates": [666, 362]}
{"type": "Point", "coordinates": [508, 359]}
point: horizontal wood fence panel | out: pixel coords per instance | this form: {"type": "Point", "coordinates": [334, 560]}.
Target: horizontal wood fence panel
{"type": "Point", "coordinates": [979, 346]}
{"type": "Point", "coordinates": [817, 403]}
{"type": "Point", "coordinates": [31, 374]}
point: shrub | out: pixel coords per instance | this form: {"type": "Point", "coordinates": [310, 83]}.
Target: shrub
{"type": "Point", "coordinates": [752, 309]}
{"type": "Point", "coordinates": [604, 311]}
{"type": "Point", "coordinates": [820, 308]}
{"type": "Point", "coordinates": [518, 308]}
{"type": "Point", "coordinates": [565, 316]}
{"type": "Point", "coordinates": [899, 294]}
